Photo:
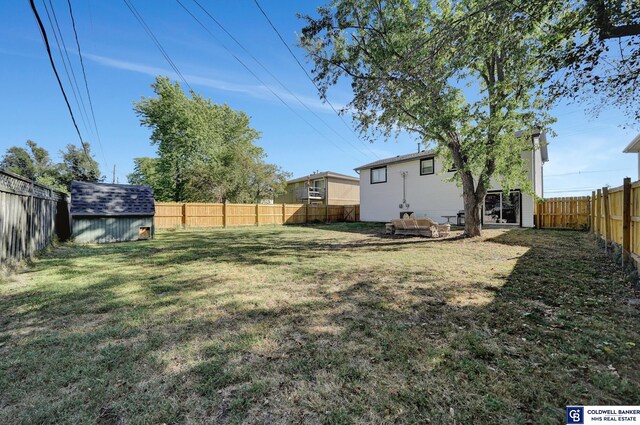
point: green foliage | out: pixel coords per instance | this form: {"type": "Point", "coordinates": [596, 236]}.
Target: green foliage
{"type": "Point", "coordinates": [461, 76]}
{"type": "Point", "coordinates": [206, 152]}
{"type": "Point", "coordinates": [145, 172]}
{"type": "Point", "coordinates": [79, 165]}
{"type": "Point", "coordinates": [18, 161]}
{"type": "Point", "coordinates": [592, 51]}
{"type": "Point", "coordinates": [36, 164]}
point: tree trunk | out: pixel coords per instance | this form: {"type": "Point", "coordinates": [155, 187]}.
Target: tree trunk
{"type": "Point", "coordinates": [472, 197]}
{"type": "Point", "coordinates": [472, 210]}
{"type": "Point", "coordinates": [472, 219]}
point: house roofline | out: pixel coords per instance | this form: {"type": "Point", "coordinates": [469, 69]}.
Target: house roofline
{"type": "Point", "coordinates": [634, 146]}
{"type": "Point", "coordinates": [542, 137]}
{"type": "Point", "coordinates": [397, 159]}
{"type": "Point", "coordinates": [324, 174]}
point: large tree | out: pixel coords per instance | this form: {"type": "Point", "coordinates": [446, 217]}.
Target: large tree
{"type": "Point", "coordinates": [206, 152]}
{"type": "Point", "coordinates": [461, 75]}
{"type": "Point", "coordinates": [34, 164]}
{"type": "Point", "coordinates": [78, 165]}
{"type": "Point", "coordinates": [145, 172]}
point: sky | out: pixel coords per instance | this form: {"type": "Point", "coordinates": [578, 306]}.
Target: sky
{"type": "Point", "coordinates": [303, 136]}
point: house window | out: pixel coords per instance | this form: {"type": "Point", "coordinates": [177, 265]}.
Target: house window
{"type": "Point", "coordinates": [502, 208]}
{"type": "Point", "coordinates": [453, 169]}
{"type": "Point", "coordinates": [426, 166]}
{"type": "Point", "coordinates": [379, 175]}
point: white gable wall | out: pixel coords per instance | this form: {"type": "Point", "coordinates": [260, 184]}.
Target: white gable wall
{"type": "Point", "coordinates": [430, 195]}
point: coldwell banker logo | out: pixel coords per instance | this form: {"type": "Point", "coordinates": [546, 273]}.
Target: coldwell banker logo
{"type": "Point", "coordinates": [575, 414]}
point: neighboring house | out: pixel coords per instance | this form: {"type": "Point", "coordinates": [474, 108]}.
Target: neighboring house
{"type": "Point", "coordinates": [634, 147]}
{"type": "Point", "coordinates": [417, 183]}
{"type": "Point", "coordinates": [326, 188]}
{"type": "Point", "coordinates": [111, 212]}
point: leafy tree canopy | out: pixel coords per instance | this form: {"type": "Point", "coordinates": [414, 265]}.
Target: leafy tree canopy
{"type": "Point", "coordinates": [79, 165]}
{"type": "Point", "coordinates": [206, 152]}
{"type": "Point", "coordinates": [36, 164]}
{"type": "Point", "coordinates": [461, 75]}
{"type": "Point", "coordinates": [592, 50]}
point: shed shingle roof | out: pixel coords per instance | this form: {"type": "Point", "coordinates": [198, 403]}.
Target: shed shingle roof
{"type": "Point", "coordinates": [100, 199]}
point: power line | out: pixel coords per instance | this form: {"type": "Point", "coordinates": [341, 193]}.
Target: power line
{"type": "Point", "coordinates": [582, 172]}
{"type": "Point", "coordinates": [256, 76]}
{"type": "Point", "coordinates": [569, 190]}
{"type": "Point", "coordinates": [64, 53]}
{"type": "Point", "coordinates": [144, 25]}
{"type": "Point", "coordinates": [276, 78]}
{"type": "Point", "coordinates": [43, 32]}
{"type": "Point", "coordinates": [86, 84]}
{"type": "Point", "coordinates": [308, 75]}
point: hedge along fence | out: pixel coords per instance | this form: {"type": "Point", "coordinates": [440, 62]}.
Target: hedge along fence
{"type": "Point", "coordinates": [615, 218]}
{"type": "Point", "coordinates": [31, 215]}
{"type": "Point", "coordinates": [171, 215]}
{"type": "Point", "coordinates": [563, 213]}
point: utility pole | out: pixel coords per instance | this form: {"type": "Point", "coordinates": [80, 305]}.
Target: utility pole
{"type": "Point", "coordinates": [113, 180]}
{"type": "Point", "coordinates": [418, 147]}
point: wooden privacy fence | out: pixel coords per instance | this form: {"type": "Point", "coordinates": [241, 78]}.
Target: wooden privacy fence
{"type": "Point", "coordinates": [30, 216]}
{"type": "Point", "coordinates": [615, 217]}
{"type": "Point", "coordinates": [171, 215]}
{"type": "Point", "coordinates": [563, 213]}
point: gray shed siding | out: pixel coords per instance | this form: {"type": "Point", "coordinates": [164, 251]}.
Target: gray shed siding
{"type": "Point", "coordinates": [109, 229]}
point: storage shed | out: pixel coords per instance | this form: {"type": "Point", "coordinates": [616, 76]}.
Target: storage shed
{"type": "Point", "coordinates": [103, 213]}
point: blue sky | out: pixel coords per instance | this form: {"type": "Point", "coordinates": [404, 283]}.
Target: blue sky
{"type": "Point", "coordinates": [121, 62]}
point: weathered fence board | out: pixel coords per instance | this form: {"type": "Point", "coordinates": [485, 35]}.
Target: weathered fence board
{"type": "Point", "coordinates": [31, 215]}
{"type": "Point", "coordinates": [616, 217]}
{"type": "Point", "coordinates": [171, 215]}
{"type": "Point", "coordinates": [563, 213]}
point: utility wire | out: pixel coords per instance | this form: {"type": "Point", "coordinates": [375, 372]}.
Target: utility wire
{"type": "Point", "coordinates": [86, 84]}
{"type": "Point", "coordinates": [277, 79]}
{"type": "Point", "coordinates": [43, 33]}
{"type": "Point", "coordinates": [64, 53]}
{"type": "Point", "coordinates": [257, 77]}
{"type": "Point", "coordinates": [309, 76]}
{"type": "Point", "coordinates": [144, 25]}
{"type": "Point", "coordinates": [582, 172]}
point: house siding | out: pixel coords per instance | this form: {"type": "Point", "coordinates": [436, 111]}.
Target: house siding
{"type": "Point", "coordinates": [427, 195]}
{"type": "Point", "coordinates": [343, 192]}
{"type": "Point", "coordinates": [338, 192]}
{"type": "Point", "coordinates": [109, 229]}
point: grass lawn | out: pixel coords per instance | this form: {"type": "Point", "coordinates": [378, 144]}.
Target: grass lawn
{"type": "Point", "coordinates": [318, 324]}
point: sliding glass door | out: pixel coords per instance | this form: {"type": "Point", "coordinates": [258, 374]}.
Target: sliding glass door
{"type": "Point", "coordinates": [501, 208]}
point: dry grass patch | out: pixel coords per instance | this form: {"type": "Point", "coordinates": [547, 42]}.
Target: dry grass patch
{"type": "Point", "coordinates": [317, 324]}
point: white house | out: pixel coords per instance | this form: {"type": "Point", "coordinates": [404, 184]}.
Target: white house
{"type": "Point", "coordinates": [634, 147]}
{"type": "Point", "coordinates": [417, 183]}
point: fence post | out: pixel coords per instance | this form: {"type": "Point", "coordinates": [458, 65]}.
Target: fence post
{"type": "Point", "coordinates": [626, 221]}
{"type": "Point", "coordinates": [306, 213]}
{"type": "Point", "coordinates": [224, 213]}
{"type": "Point", "coordinates": [598, 212]}
{"type": "Point", "coordinates": [184, 216]}
{"type": "Point", "coordinates": [607, 218]}
{"type": "Point", "coordinates": [30, 223]}
{"type": "Point", "coordinates": [284, 214]}
{"type": "Point", "coordinates": [592, 211]}
{"type": "Point", "coordinates": [540, 209]}
{"type": "Point", "coordinates": [257, 214]}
